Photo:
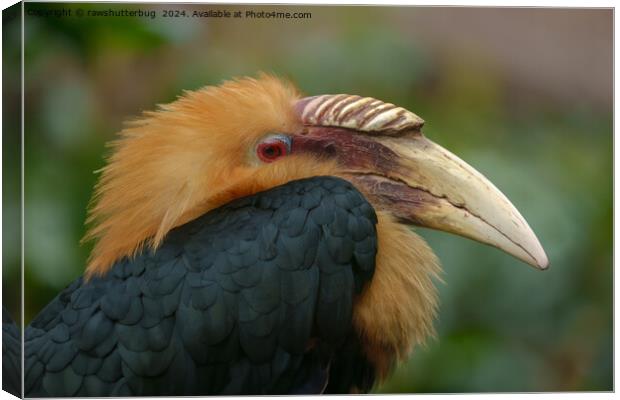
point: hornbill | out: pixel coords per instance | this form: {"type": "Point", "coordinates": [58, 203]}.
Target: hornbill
{"type": "Point", "coordinates": [251, 241]}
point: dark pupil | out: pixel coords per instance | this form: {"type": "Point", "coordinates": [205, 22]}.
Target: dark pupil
{"type": "Point", "coordinates": [272, 151]}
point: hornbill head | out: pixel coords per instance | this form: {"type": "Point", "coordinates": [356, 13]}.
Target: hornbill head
{"type": "Point", "coordinates": [248, 135]}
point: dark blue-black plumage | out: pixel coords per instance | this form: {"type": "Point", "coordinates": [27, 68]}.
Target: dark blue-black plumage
{"type": "Point", "coordinates": [254, 297]}
{"type": "Point", "coordinates": [11, 355]}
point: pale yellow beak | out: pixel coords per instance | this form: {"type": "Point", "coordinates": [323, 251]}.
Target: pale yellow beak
{"type": "Point", "coordinates": [381, 148]}
{"type": "Point", "coordinates": [438, 190]}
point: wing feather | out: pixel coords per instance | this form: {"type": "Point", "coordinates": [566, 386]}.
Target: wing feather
{"type": "Point", "coordinates": [255, 297]}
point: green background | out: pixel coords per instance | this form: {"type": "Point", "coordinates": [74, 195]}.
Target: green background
{"type": "Point", "coordinates": [523, 95]}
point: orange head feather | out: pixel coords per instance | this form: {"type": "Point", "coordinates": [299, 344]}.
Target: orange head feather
{"type": "Point", "coordinates": [188, 157]}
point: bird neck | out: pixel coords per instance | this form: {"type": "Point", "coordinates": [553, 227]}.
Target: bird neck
{"type": "Point", "coordinates": [397, 309]}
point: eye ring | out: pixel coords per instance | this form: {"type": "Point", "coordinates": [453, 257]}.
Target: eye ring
{"type": "Point", "coordinates": [273, 147]}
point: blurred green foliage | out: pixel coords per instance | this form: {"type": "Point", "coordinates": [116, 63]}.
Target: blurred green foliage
{"type": "Point", "coordinates": [502, 326]}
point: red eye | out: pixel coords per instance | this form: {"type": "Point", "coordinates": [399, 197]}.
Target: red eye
{"type": "Point", "coordinates": [271, 150]}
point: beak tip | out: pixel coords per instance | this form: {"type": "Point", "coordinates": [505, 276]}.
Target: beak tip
{"type": "Point", "coordinates": [540, 261]}
{"type": "Point", "coordinates": [544, 264]}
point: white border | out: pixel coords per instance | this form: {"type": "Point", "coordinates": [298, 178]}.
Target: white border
{"type": "Point", "coordinates": [509, 3]}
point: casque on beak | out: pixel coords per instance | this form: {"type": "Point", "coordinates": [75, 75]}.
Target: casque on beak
{"type": "Point", "coordinates": [381, 149]}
